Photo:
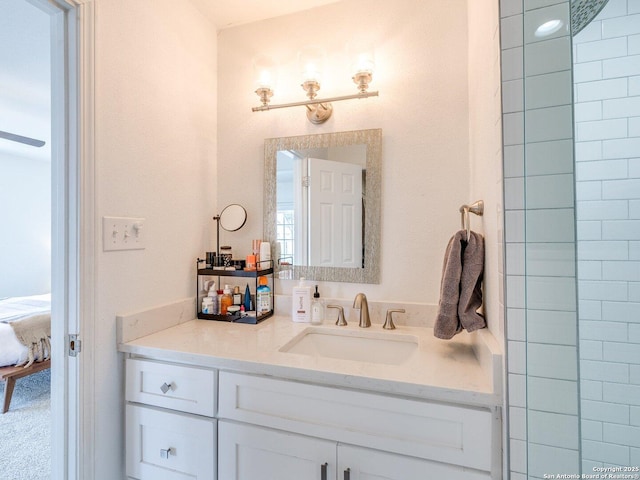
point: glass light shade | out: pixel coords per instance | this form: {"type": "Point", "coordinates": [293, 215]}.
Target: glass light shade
{"type": "Point", "coordinates": [361, 57]}
{"type": "Point", "coordinates": [363, 63]}
{"type": "Point", "coordinates": [311, 61]}
{"type": "Point", "coordinates": [264, 73]}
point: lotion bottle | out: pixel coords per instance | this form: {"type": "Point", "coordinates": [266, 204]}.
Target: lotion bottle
{"type": "Point", "coordinates": [301, 302]}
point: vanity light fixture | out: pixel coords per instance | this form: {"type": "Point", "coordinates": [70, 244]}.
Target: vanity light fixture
{"type": "Point", "coordinates": [311, 61]}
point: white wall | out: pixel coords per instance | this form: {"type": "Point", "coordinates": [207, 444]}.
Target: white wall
{"type": "Point", "coordinates": [25, 215]}
{"type": "Point", "coordinates": [25, 171]}
{"type": "Point", "coordinates": [155, 158]}
{"type": "Point", "coordinates": [421, 56]}
{"type": "Point", "coordinates": [485, 149]}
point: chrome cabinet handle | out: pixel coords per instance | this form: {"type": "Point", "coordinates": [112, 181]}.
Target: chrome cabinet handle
{"type": "Point", "coordinates": [165, 387]}
{"type": "Point", "coordinates": [347, 474]}
{"type": "Point", "coordinates": [165, 453]}
{"type": "Point", "coordinates": [323, 471]}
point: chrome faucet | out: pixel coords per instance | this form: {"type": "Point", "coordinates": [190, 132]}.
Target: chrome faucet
{"type": "Point", "coordinates": [360, 302]}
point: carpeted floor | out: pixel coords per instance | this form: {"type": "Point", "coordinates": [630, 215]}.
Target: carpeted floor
{"type": "Point", "coordinates": [25, 430]}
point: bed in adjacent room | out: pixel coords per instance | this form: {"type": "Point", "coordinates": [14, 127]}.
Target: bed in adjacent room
{"type": "Point", "coordinates": [25, 331]}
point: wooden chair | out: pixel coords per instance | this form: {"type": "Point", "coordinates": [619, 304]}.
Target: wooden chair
{"type": "Point", "coordinates": [11, 374]}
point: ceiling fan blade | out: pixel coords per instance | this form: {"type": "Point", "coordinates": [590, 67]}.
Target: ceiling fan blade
{"type": "Point", "coordinates": [20, 139]}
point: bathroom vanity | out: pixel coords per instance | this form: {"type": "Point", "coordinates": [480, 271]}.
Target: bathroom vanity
{"type": "Point", "coordinates": [281, 400]}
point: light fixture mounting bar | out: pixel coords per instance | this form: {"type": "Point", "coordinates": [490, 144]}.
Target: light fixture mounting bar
{"type": "Point", "coordinates": [315, 101]}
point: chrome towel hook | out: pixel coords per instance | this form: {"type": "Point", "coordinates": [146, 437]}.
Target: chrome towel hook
{"type": "Point", "coordinates": [477, 208]}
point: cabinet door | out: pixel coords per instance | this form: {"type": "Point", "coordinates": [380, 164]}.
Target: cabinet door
{"type": "Point", "coordinates": [357, 463]}
{"type": "Point", "coordinates": [162, 445]}
{"type": "Point", "coordinates": [247, 452]}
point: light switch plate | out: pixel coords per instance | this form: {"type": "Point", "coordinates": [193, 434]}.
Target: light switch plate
{"type": "Point", "coordinates": [123, 233]}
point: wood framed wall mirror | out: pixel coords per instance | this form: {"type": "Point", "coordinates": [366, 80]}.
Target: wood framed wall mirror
{"type": "Point", "coordinates": [322, 203]}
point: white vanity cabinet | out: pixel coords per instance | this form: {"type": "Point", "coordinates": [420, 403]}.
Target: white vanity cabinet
{"type": "Point", "coordinates": [373, 435]}
{"type": "Point", "coordinates": [247, 452]}
{"type": "Point", "coordinates": [170, 430]}
{"type": "Point", "coordinates": [274, 428]}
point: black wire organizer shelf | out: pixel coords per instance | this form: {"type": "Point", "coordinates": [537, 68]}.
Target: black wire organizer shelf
{"type": "Point", "coordinates": [252, 317]}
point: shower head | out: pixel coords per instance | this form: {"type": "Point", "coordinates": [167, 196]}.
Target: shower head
{"type": "Point", "coordinates": [583, 12]}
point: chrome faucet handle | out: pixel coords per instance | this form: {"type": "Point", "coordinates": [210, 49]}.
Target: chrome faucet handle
{"type": "Point", "coordinates": [388, 324]}
{"type": "Point", "coordinates": [341, 322]}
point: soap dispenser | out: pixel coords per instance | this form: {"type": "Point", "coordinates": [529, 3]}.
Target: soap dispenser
{"type": "Point", "coordinates": [317, 309]}
{"type": "Point", "coordinates": [301, 302]}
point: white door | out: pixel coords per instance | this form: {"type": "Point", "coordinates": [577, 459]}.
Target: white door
{"type": "Point", "coordinates": [246, 452]}
{"type": "Point", "coordinates": [335, 214]}
{"type": "Point", "coordinates": [357, 463]}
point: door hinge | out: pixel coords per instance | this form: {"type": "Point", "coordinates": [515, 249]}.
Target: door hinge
{"type": "Point", "coordinates": [75, 345]}
{"type": "Point", "coordinates": [306, 181]}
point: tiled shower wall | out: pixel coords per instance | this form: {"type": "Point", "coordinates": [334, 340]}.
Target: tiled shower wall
{"type": "Point", "coordinates": [540, 294]}
{"type": "Point", "coordinates": [607, 115]}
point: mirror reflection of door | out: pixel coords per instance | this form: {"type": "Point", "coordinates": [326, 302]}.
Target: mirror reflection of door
{"type": "Point", "coordinates": [335, 209]}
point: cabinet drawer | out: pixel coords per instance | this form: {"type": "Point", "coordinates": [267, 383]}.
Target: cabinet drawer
{"type": "Point", "coordinates": [177, 387]}
{"type": "Point", "coordinates": [169, 446]}
{"type": "Point", "coordinates": [445, 433]}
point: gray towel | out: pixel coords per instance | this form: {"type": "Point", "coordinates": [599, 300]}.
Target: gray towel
{"type": "Point", "coordinates": [460, 291]}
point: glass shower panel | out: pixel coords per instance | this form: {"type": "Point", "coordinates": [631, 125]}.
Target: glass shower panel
{"type": "Point", "coordinates": [573, 333]}
{"type": "Point", "coordinates": [606, 70]}
{"type": "Point", "coordinates": [550, 257]}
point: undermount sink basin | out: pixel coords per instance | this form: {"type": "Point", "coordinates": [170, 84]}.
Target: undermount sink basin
{"type": "Point", "coordinates": [369, 347]}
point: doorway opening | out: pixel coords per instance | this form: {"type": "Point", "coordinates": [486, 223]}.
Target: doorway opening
{"type": "Point", "coordinates": [67, 237]}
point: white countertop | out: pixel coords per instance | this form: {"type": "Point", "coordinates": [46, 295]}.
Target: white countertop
{"type": "Point", "coordinates": [462, 370]}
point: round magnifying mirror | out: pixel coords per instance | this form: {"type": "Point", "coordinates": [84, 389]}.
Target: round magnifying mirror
{"type": "Point", "coordinates": [233, 217]}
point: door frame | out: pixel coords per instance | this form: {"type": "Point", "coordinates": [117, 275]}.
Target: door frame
{"type": "Point", "coordinates": [72, 235]}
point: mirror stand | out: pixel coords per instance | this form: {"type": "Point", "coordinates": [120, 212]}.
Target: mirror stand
{"type": "Point", "coordinates": [233, 218]}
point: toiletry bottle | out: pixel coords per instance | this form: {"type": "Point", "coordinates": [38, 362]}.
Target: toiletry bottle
{"type": "Point", "coordinates": [317, 309]}
{"type": "Point", "coordinates": [248, 304]}
{"type": "Point", "coordinates": [219, 295]}
{"type": "Point", "coordinates": [237, 296]}
{"type": "Point", "coordinates": [226, 301]}
{"type": "Point", "coordinates": [301, 302]}
{"type": "Point", "coordinates": [263, 297]}
{"type": "Point", "coordinates": [207, 305]}
{"type": "Point", "coordinates": [265, 256]}
{"type": "Point", "coordinates": [227, 255]}
{"type": "Point", "coordinates": [213, 295]}
{"type": "Point", "coordinates": [206, 285]}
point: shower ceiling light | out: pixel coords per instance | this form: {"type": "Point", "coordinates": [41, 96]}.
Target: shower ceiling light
{"type": "Point", "coordinates": [549, 28]}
